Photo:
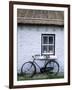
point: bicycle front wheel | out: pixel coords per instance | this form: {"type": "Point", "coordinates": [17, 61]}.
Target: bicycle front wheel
{"type": "Point", "coordinates": [28, 69]}
{"type": "Point", "coordinates": [52, 68]}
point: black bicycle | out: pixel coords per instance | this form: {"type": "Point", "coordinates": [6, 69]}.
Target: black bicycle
{"type": "Point", "coordinates": [51, 66]}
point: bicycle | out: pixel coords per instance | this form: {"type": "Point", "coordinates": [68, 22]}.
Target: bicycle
{"type": "Point", "coordinates": [51, 66]}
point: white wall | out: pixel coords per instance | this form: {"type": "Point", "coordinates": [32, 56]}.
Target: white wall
{"type": "Point", "coordinates": [29, 43]}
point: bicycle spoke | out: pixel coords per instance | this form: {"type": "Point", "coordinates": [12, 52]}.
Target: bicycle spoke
{"type": "Point", "coordinates": [28, 69]}
{"type": "Point", "coordinates": [53, 67]}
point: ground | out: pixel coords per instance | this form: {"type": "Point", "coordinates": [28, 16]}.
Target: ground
{"type": "Point", "coordinates": [40, 76]}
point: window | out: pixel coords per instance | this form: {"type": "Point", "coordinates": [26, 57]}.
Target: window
{"type": "Point", "coordinates": [48, 43]}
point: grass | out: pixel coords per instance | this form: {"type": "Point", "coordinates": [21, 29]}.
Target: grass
{"type": "Point", "coordinates": [40, 76]}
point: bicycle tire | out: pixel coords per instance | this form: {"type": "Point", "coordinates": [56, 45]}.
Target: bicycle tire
{"type": "Point", "coordinates": [30, 73]}
{"type": "Point", "coordinates": [54, 62]}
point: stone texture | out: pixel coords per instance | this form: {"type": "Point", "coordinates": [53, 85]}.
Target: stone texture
{"type": "Point", "coordinates": [29, 44]}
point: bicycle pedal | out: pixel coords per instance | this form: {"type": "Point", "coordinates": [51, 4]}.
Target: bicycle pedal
{"type": "Point", "coordinates": [42, 70]}
{"type": "Point", "coordinates": [49, 68]}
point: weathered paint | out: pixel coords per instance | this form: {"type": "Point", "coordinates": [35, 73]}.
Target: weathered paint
{"type": "Point", "coordinates": [29, 43]}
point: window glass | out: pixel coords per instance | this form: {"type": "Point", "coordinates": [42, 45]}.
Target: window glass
{"type": "Point", "coordinates": [45, 40]}
{"type": "Point", "coordinates": [44, 49]}
{"type": "Point", "coordinates": [51, 48]}
{"type": "Point", "coordinates": [50, 40]}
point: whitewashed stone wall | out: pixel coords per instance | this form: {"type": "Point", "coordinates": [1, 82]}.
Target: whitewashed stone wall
{"type": "Point", "coordinates": [29, 43]}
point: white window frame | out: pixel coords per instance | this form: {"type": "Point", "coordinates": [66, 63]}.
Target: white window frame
{"type": "Point", "coordinates": [47, 44]}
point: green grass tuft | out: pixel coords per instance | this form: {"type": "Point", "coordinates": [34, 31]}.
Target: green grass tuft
{"type": "Point", "coordinates": [40, 76]}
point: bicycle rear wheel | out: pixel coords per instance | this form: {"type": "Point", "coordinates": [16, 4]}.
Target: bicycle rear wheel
{"type": "Point", "coordinates": [28, 69]}
{"type": "Point", "coordinates": [52, 68]}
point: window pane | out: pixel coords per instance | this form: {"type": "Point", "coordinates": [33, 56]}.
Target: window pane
{"type": "Point", "coordinates": [51, 49]}
{"type": "Point", "coordinates": [44, 49]}
{"type": "Point", "coordinates": [45, 40]}
{"type": "Point", "coordinates": [50, 40]}
{"type": "Point", "coordinates": [47, 43]}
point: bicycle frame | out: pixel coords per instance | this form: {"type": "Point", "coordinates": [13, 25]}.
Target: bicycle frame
{"type": "Point", "coordinates": [47, 67]}
{"type": "Point", "coordinates": [37, 64]}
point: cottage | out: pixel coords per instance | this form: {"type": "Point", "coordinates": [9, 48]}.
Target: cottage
{"type": "Point", "coordinates": [39, 32]}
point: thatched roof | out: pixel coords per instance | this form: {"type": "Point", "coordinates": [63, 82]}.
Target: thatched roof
{"type": "Point", "coordinates": [40, 17]}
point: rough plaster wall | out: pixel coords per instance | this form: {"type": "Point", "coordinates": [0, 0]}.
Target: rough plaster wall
{"type": "Point", "coordinates": [29, 43]}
